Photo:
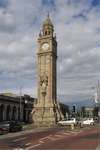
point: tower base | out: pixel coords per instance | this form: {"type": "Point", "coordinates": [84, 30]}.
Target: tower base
{"type": "Point", "coordinates": [46, 116]}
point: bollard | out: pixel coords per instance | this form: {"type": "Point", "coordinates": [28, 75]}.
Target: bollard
{"type": "Point", "coordinates": [72, 126]}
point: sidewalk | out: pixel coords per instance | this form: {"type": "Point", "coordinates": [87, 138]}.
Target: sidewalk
{"type": "Point", "coordinates": [26, 129]}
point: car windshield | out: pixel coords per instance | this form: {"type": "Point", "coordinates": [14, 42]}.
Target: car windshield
{"type": "Point", "coordinates": [71, 119]}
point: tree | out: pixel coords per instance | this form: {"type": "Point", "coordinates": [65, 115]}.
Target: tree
{"type": "Point", "coordinates": [83, 111]}
{"type": "Point", "coordinates": [64, 109]}
{"type": "Point", "coordinates": [95, 111]}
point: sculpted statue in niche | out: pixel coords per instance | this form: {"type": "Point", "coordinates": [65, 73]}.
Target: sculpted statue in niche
{"type": "Point", "coordinates": [44, 83]}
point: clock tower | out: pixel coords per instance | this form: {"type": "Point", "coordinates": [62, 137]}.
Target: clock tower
{"type": "Point", "coordinates": [47, 111]}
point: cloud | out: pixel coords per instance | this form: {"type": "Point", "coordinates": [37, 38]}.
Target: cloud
{"type": "Point", "coordinates": [77, 25]}
{"type": "Point", "coordinates": [3, 3]}
{"type": "Point", "coordinates": [6, 21]}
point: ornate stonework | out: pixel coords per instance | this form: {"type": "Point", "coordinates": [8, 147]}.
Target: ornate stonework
{"type": "Point", "coordinates": [47, 112]}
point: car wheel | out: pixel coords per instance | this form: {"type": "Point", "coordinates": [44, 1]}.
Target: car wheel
{"type": "Point", "coordinates": [1, 132]}
{"type": "Point", "coordinates": [92, 123]}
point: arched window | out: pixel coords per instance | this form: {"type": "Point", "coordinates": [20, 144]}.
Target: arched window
{"type": "Point", "coordinates": [45, 32]}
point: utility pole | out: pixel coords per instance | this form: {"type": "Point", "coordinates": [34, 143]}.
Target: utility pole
{"type": "Point", "coordinates": [98, 91]}
{"type": "Point", "coordinates": [98, 96]}
{"type": "Point", "coordinates": [20, 104]}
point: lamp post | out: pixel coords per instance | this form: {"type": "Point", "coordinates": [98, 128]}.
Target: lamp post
{"type": "Point", "coordinates": [25, 111]}
{"type": "Point", "coordinates": [20, 104]}
{"type": "Point", "coordinates": [97, 97]}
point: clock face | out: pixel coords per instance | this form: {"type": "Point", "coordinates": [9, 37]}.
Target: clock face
{"type": "Point", "coordinates": [45, 46]}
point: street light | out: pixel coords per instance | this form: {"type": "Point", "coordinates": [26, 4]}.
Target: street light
{"type": "Point", "coordinates": [25, 104]}
{"type": "Point", "coordinates": [26, 101]}
{"type": "Point", "coordinates": [20, 104]}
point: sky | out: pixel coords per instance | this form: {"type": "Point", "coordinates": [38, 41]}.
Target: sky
{"type": "Point", "coordinates": [77, 26]}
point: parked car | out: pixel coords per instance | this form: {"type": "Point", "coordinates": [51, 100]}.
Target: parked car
{"type": "Point", "coordinates": [88, 121]}
{"type": "Point", "coordinates": [10, 126]}
{"type": "Point", "coordinates": [4, 128]}
{"type": "Point", "coordinates": [15, 126]}
{"type": "Point", "coordinates": [68, 122]}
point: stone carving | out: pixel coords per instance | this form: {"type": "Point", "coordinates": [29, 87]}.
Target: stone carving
{"type": "Point", "coordinates": [43, 83]}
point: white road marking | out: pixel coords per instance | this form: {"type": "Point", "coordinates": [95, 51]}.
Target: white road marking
{"type": "Point", "coordinates": [41, 142]}
{"type": "Point", "coordinates": [66, 133]}
{"type": "Point", "coordinates": [59, 135]}
{"type": "Point", "coordinates": [98, 148]}
{"type": "Point", "coordinates": [18, 148]}
{"type": "Point", "coordinates": [30, 147]}
{"type": "Point", "coordinates": [27, 144]}
{"type": "Point", "coordinates": [44, 138]}
{"type": "Point", "coordinates": [52, 138]}
{"type": "Point", "coordinates": [73, 132]}
{"type": "Point", "coordinates": [19, 139]}
{"type": "Point", "coordinates": [56, 136]}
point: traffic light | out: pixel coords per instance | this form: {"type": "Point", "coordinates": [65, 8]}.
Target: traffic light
{"type": "Point", "coordinates": [74, 109]}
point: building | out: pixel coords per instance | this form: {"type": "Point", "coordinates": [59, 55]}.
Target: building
{"type": "Point", "coordinates": [13, 107]}
{"type": "Point", "coordinates": [47, 110]}
{"type": "Point", "coordinates": [89, 111]}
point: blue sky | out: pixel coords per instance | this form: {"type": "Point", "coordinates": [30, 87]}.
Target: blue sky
{"type": "Point", "coordinates": [77, 25]}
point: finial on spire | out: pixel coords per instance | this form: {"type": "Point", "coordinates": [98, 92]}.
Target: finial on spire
{"type": "Point", "coordinates": [48, 14]}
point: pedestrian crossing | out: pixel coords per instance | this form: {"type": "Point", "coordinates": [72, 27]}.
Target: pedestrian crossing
{"type": "Point", "coordinates": [50, 138]}
{"type": "Point", "coordinates": [53, 137]}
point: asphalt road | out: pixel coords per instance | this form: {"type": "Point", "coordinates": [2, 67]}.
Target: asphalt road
{"type": "Point", "coordinates": [52, 139]}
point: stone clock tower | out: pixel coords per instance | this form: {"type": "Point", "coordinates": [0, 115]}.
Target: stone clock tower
{"type": "Point", "coordinates": [46, 111]}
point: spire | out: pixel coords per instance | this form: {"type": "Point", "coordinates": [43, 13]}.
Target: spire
{"type": "Point", "coordinates": [47, 28]}
{"type": "Point", "coordinates": [48, 21]}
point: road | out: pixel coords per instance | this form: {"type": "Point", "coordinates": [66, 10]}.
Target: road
{"type": "Point", "coordinates": [52, 139]}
